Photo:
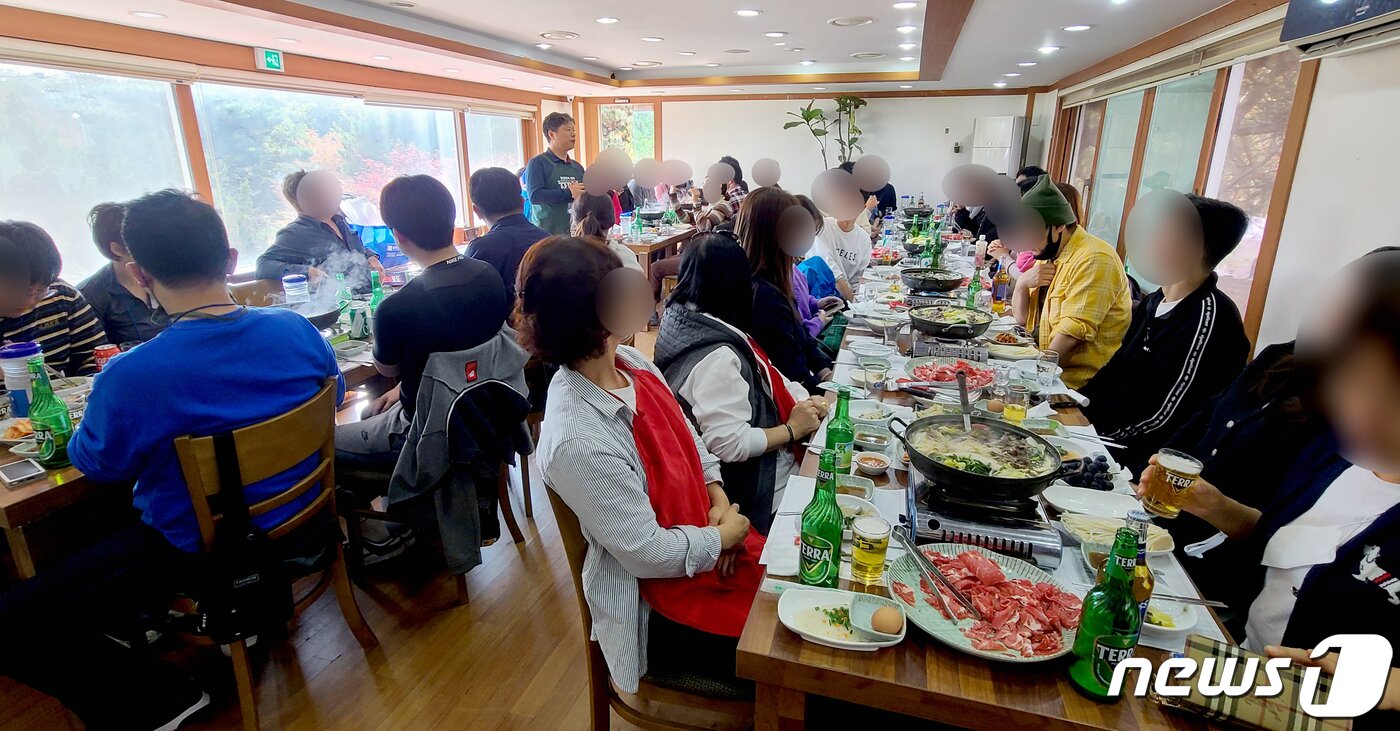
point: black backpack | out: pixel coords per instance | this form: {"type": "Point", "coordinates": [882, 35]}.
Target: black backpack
{"type": "Point", "coordinates": [244, 588]}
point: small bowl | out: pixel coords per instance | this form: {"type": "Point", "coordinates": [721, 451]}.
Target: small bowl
{"type": "Point", "coordinates": [860, 410]}
{"type": "Point", "coordinates": [855, 485]}
{"type": "Point", "coordinates": [873, 438]}
{"type": "Point", "coordinates": [851, 501]}
{"type": "Point", "coordinates": [872, 463]}
{"type": "Point", "coordinates": [873, 362]}
{"type": "Point", "coordinates": [1028, 369]}
{"type": "Point", "coordinates": [871, 350]}
{"type": "Point", "coordinates": [350, 348]}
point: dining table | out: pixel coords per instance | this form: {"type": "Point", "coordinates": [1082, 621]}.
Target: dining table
{"type": "Point", "coordinates": [27, 504]}
{"type": "Point", "coordinates": [920, 677]}
{"type": "Point", "coordinates": [665, 243]}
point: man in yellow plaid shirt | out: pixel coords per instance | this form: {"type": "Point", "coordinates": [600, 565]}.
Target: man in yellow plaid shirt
{"type": "Point", "coordinates": [1075, 300]}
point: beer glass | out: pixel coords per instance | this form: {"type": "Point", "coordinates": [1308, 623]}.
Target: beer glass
{"type": "Point", "coordinates": [870, 539]}
{"type": "Point", "coordinates": [1170, 483]}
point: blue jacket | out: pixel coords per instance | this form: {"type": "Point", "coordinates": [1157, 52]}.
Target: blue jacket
{"type": "Point", "coordinates": [820, 281]}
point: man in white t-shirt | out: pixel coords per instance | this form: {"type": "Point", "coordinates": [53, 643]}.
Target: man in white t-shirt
{"type": "Point", "coordinates": [846, 250]}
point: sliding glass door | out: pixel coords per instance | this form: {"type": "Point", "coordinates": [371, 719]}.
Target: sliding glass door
{"type": "Point", "coordinates": [1115, 163]}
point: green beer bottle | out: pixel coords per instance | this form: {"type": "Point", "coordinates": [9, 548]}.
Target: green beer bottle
{"type": "Point", "coordinates": [822, 524]}
{"type": "Point", "coordinates": [49, 415]}
{"type": "Point", "coordinates": [1143, 581]}
{"type": "Point", "coordinates": [1110, 621]}
{"type": "Point", "coordinates": [343, 298]}
{"type": "Point", "coordinates": [841, 433]}
{"type": "Point", "coordinates": [376, 291]}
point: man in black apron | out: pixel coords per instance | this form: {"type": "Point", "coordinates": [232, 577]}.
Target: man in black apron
{"type": "Point", "coordinates": [554, 180]}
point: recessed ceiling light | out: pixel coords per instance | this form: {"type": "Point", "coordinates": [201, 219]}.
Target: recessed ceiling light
{"type": "Point", "coordinates": [653, 39]}
{"type": "Point", "coordinates": [1026, 64]}
{"type": "Point", "coordinates": [865, 55]}
{"type": "Point", "coordinates": [906, 86]}
{"type": "Point", "coordinates": [736, 91]}
{"type": "Point", "coordinates": [605, 20]}
{"type": "Point", "coordinates": [850, 21]}
{"type": "Point", "coordinates": [624, 68]}
{"type": "Point", "coordinates": [544, 46]}
{"type": "Point", "coordinates": [546, 88]}
{"type": "Point", "coordinates": [806, 62]}
{"type": "Point", "coordinates": [819, 88]}
{"type": "Point", "coordinates": [776, 33]}
{"type": "Point", "coordinates": [908, 58]}
{"type": "Point", "coordinates": [736, 50]}
{"type": "Point", "coordinates": [402, 4]}
{"type": "Point", "coordinates": [1047, 50]}
{"type": "Point", "coordinates": [1012, 75]}
{"type": "Point", "coordinates": [685, 53]}
{"type": "Point", "coordinates": [748, 13]}
{"type": "Point", "coordinates": [560, 35]}
{"type": "Point", "coordinates": [382, 58]}
{"type": "Point", "coordinates": [590, 58]}
{"type": "Point", "coordinates": [711, 65]}
{"type": "Point", "coordinates": [1076, 28]}
{"type": "Point", "coordinates": [288, 41]}
{"type": "Point", "coordinates": [452, 71]}
{"type": "Point", "coordinates": [998, 84]}
{"type": "Point", "coordinates": [780, 43]}
{"type": "Point", "coordinates": [646, 63]}
{"type": "Point", "coordinates": [905, 6]}
{"type": "Point", "coordinates": [148, 14]}
{"type": "Point", "coordinates": [795, 49]}
{"type": "Point", "coordinates": [907, 28]}
{"type": "Point", "coordinates": [505, 79]}
{"type": "Point", "coordinates": [908, 46]}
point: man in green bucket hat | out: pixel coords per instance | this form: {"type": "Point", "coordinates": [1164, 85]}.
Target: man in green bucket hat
{"type": "Point", "coordinates": [1075, 300]}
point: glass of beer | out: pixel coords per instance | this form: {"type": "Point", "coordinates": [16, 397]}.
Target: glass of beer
{"type": "Point", "coordinates": [1170, 483]}
{"type": "Point", "coordinates": [870, 539]}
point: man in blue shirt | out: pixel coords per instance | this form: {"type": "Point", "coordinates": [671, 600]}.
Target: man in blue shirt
{"type": "Point", "coordinates": [496, 199]}
{"type": "Point", "coordinates": [219, 366]}
{"type": "Point", "coordinates": [553, 180]}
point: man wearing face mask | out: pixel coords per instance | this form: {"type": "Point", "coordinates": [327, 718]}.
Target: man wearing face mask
{"type": "Point", "coordinates": [319, 233]}
{"type": "Point", "coordinates": [1076, 300]}
{"type": "Point", "coordinates": [1186, 342]}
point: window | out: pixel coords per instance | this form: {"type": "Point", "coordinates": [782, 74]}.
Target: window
{"type": "Point", "coordinates": [628, 127]}
{"type": "Point", "coordinates": [494, 141]}
{"type": "Point", "coordinates": [254, 137]}
{"type": "Point", "coordinates": [1258, 100]}
{"type": "Point", "coordinates": [1115, 162]}
{"type": "Point", "coordinates": [71, 140]}
{"type": "Point", "coordinates": [1173, 149]}
{"type": "Point", "coordinates": [1086, 147]}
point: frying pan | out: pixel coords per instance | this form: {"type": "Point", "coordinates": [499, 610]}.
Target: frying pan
{"type": "Point", "coordinates": [931, 280]}
{"type": "Point", "coordinates": [967, 484]}
{"type": "Point", "coordinates": [961, 331]}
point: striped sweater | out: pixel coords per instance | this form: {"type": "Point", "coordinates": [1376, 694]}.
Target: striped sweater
{"type": "Point", "coordinates": [64, 325]}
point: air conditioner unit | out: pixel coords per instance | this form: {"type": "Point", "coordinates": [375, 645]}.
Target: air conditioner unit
{"type": "Point", "coordinates": [1321, 28]}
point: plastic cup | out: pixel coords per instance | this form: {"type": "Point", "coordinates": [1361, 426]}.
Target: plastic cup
{"type": "Point", "coordinates": [14, 362]}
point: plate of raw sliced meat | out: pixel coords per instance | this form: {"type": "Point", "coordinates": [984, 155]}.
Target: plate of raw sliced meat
{"type": "Point", "coordinates": [1027, 616]}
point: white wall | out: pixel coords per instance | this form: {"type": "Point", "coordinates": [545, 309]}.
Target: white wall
{"type": "Point", "coordinates": [1344, 201]}
{"type": "Point", "coordinates": [909, 133]}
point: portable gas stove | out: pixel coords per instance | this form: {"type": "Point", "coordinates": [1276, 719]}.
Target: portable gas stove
{"type": "Point", "coordinates": [1016, 528]}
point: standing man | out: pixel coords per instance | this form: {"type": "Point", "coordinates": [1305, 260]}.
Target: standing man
{"type": "Point", "coordinates": [496, 199]}
{"type": "Point", "coordinates": [553, 180]}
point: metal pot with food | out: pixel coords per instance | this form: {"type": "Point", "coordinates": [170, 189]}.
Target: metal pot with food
{"type": "Point", "coordinates": [950, 321]}
{"type": "Point", "coordinates": [931, 280]}
{"type": "Point", "coordinates": [994, 461]}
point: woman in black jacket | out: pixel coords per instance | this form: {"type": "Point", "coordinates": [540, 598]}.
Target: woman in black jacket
{"type": "Point", "coordinates": [776, 325]}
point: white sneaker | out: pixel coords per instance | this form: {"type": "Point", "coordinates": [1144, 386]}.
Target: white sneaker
{"type": "Point", "coordinates": [175, 722]}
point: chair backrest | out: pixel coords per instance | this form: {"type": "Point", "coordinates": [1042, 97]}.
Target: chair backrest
{"type": "Point", "coordinates": [255, 292]}
{"type": "Point", "coordinates": [266, 449]}
{"type": "Point", "coordinates": [575, 548]}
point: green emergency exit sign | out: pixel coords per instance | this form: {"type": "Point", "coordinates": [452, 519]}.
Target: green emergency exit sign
{"type": "Point", "coordinates": [268, 60]}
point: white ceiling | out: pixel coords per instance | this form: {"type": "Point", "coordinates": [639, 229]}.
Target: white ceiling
{"type": "Point", "coordinates": [997, 35]}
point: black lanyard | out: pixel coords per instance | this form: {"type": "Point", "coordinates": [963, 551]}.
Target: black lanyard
{"type": "Point", "coordinates": [197, 314]}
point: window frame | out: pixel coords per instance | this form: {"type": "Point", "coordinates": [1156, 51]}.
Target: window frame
{"type": "Point", "coordinates": [593, 119]}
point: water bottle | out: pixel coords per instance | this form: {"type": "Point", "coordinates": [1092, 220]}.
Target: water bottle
{"type": "Point", "coordinates": [295, 288]}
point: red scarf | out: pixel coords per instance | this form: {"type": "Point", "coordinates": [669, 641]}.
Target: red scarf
{"type": "Point", "coordinates": [782, 397]}
{"type": "Point", "coordinates": [679, 496]}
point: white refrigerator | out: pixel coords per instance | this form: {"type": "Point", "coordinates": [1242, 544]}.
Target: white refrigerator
{"type": "Point", "coordinates": [999, 143]}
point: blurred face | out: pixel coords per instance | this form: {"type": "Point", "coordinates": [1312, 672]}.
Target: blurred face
{"type": "Point", "coordinates": [18, 298]}
{"type": "Point", "coordinates": [1024, 237]}
{"type": "Point", "coordinates": [1176, 252]}
{"type": "Point", "coordinates": [1362, 396]}
{"type": "Point", "coordinates": [564, 138]}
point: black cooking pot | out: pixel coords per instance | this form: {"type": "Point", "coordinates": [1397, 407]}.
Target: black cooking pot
{"type": "Point", "coordinates": [931, 280]}
{"type": "Point", "coordinates": [320, 319]}
{"type": "Point", "coordinates": [913, 247]}
{"type": "Point", "coordinates": [967, 484]}
{"type": "Point", "coordinates": [949, 330]}
{"type": "Point", "coordinates": [651, 216]}
{"type": "Point", "coordinates": [913, 211]}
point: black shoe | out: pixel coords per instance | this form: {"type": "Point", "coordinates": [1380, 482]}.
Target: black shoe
{"type": "Point", "coordinates": [181, 710]}
{"type": "Point", "coordinates": [655, 320]}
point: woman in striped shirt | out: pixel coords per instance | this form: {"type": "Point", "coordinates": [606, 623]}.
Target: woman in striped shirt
{"type": "Point", "coordinates": [38, 307]}
{"type": "Point", "coordinates": [671, 564]}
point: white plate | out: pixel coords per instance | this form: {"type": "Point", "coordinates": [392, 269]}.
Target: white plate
{"type": "Point", "coordinates": [1089, 502]}
{"type": "Point", "coordinates": [1029, 368]}
{"type": "Point", "coordinates": [869, 405]}
{"type": "Point", "coordinates": [797, 610]}
{"type": "Point", "coordinates": [5, 424]}
{"type": "Point", "coordinates": [1081, 448]}
{"type": "Point", "coordinates": [1186, 617]}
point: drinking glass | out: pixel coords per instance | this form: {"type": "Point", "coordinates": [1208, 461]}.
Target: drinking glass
{"type": "Point", "coordinates": [870, 540]}
{"type": "Point", "coordinates": [875, 377]}
{"type": "Point", "coordinates": [1001, 377]}
{"type": "Point", "coordinates": [1045, 368]}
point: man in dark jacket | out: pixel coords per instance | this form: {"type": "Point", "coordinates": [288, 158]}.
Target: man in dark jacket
{"type": "Point", "coordinates": [497, 201]}
{"type": "Point", "coordinates": [320, 240]}
{"type": "Point", "coordinates": [1186, 342]}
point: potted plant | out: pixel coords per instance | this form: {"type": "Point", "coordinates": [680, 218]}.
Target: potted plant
{"type": "Point", "coordinates": [842, 121]}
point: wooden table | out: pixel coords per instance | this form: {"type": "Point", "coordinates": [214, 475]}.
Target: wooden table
{"type": "Point", "coordinates": [925, 679]}
{"type": "Point", "coordinates": [666, 246]}
{"type": "Point", "coordinates": [28, 503]}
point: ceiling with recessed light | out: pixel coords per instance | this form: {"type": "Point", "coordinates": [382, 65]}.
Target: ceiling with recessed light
{"type": "Point", "coordinates": [696, 48]}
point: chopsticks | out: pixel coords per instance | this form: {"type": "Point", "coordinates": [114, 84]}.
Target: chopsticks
{"type": "Point", "coordinates": [935, 577]}
{"type": "Point", "coordinates": [1175, 598]}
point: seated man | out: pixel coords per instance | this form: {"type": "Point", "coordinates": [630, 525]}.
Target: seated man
{"type": "Point", "coordinates": [36, 306]}
{"type": "Point", "coordinates": [319, 241]}
{"type": "Point", "coordinates": [123, 306]}
{"type": "Point", "coordinates": [496, 199]}
{"type": "Point", "coordinates": [1076, 302]}
{"type": "Point", "coordinates": [455, 304]}
{"type": "Point", "coordinates": [208, 373]}
{"type": "Point", "coordinates": [1186, 342]}
{"type": "Point", "coordinates": [846, 250]}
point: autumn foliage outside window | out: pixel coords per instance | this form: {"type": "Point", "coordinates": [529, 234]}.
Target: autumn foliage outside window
{"type": "Point", "coordinates": [628, 127]}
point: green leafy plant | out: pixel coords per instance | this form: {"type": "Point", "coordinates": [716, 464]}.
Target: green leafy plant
{"type": "Point", "coordinates": [841, 121]}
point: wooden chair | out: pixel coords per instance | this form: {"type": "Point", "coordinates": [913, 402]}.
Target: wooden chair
{"type": "Point", "coordinates": [264, 450]}
{"type": "Point", "coordinates": [668, 285]}
{"type": "Point", "coordinates": [255, 292]}
{"type": "Point", "coordinates": [602, 694]}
